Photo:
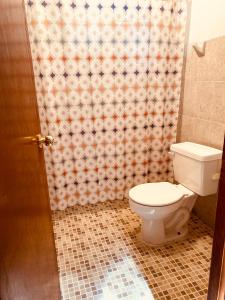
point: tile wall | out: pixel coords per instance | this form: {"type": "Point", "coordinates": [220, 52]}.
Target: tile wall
{"type": "Point", "coordinates": [202, 113]}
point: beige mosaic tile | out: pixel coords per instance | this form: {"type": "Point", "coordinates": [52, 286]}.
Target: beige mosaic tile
{"type": "Point", "coordinates": [100, 257]}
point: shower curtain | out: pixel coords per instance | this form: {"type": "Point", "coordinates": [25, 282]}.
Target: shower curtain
{"type": "Point", "coordinates": [108, 80]}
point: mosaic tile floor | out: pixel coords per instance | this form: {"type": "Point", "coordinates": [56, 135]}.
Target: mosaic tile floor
{"type": "Point", "coordinates": [101, 258]}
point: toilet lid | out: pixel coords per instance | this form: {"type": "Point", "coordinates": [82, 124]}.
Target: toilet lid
{"type": "Point", "coordinates": [156, 194]}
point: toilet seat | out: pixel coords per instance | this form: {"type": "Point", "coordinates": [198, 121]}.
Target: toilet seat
{"type": "Point", "coordinates": [156, 194]}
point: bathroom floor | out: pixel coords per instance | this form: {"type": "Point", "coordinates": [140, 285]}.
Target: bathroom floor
{"type": "Point", "coordinates": [101, 257]}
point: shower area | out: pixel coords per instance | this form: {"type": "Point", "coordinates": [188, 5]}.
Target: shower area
{"type": "Point", "coordinates": [108, 78]}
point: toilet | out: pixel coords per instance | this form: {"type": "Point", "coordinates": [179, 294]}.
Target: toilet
{"type": "Point", "coordinates": [165, 207]}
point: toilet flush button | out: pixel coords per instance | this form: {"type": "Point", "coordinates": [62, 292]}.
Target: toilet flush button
{"type": "Point", "coordinates": [216, 176]}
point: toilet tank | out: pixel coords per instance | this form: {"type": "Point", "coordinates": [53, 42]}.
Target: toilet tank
{"type": "Point", "coordinates": [197, 167]}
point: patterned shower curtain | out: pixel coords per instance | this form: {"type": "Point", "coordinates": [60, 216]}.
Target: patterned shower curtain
{"type": "Point", "coordinates": [108, 77]}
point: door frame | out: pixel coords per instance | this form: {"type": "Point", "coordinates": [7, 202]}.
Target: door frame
{"type": "Point", "coordinates": [216, 288]}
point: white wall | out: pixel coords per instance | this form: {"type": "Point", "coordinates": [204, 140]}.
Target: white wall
{"type": "Point", "coordinates": [207, 20]}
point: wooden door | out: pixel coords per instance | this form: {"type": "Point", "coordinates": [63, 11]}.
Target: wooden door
{"type": "Point", "coordinates": [216, 289]}
{"type": "Point", "coordinates": [28, 266]}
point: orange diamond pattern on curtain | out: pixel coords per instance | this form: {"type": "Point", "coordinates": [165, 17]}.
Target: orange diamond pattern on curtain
{"type": "Point", "coordinates": [108, 80]}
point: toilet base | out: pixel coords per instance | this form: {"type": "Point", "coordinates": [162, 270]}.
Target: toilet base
{"type": "Point", "coordinates": [165, 224]}
{"type": "Point", "coordinates": [155, 234]}
{"type": "Point", "coordinates": [169, 239]}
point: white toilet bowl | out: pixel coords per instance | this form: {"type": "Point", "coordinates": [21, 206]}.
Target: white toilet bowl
{"type": "Point", "coordinates": [164, 209]}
